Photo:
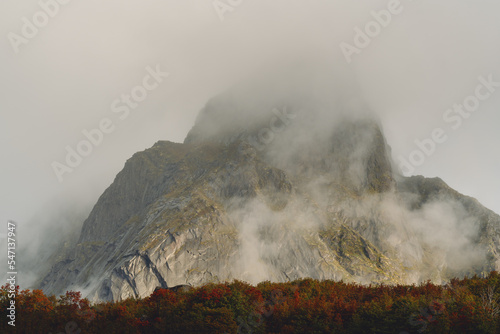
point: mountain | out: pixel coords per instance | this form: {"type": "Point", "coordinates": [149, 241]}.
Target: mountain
{"type": "Point", "coordinates": [274, 189]}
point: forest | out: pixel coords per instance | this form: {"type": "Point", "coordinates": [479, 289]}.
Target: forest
{"type": "Point", "coordinates": [469, 305]}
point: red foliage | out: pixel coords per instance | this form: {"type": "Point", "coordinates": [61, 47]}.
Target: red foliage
{"type": "Point", "coordinates": [296, 307]}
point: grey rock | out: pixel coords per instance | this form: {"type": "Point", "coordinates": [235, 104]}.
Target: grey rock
{"type": "Point", "coordinates": [325, 204]}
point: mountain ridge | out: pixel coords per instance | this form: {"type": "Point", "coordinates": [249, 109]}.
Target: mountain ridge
{"type": "Point", "coordinates": [308, 197]}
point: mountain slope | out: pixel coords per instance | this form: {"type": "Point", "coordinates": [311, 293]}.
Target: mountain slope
{"type": "Point", "coordinates": [282, 194]}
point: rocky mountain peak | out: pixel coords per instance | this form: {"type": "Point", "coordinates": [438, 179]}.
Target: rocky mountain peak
{"type": "Point", "coordinates": [303, 137]}
{"type": "Point", "coordinates": [274, 187]}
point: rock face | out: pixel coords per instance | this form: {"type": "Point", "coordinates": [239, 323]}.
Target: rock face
{"type": "Point", "coordinates": [288, 191]}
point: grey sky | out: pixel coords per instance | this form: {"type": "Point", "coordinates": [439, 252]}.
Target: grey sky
{"type": "Point", "coordinates": [65, 79]}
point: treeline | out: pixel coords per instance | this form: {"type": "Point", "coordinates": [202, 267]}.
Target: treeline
{"type": "Point", "coordinates": [470, 305]}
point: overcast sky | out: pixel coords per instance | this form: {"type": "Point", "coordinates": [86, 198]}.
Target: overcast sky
{"type": "Point", "coordinates": [64, 78]}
